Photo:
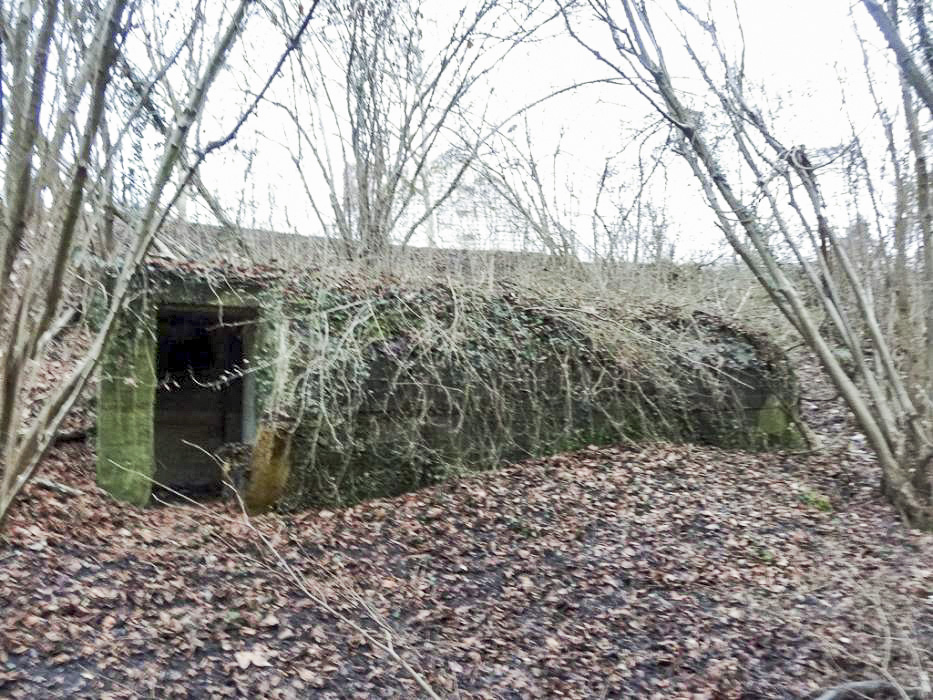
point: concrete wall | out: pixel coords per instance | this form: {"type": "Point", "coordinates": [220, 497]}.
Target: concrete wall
{"type": "Point", "coordinates": [125, 457]}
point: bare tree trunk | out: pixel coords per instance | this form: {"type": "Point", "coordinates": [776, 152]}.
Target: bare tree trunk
{"type": "Point", "coordinates": [892, 423]}
{"type": "Point", "coordinates": [34, 305]}
{"type": "Point", "coordinates": [909, 68]}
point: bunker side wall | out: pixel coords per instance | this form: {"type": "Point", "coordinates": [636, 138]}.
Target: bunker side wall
{"type": "Point", "coordinates": [126, 404]}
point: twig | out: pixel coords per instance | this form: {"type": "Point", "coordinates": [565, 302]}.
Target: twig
{"type": "Point", "coordinates": [864, 687]}
{"type": "Point", "coordinates": [50, 485]}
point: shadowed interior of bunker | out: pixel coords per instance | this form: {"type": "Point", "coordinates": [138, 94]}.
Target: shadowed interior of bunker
{"type": "Point", "coordinates": [205, 398]}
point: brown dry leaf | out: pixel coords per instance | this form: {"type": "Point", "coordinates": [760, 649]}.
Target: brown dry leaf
{"type": "Point", "coordinates": [257, 656]}
{"type": "Point", "coordinates": [306, 675]}
{"type": "Point", "coordinates": [589, 574]}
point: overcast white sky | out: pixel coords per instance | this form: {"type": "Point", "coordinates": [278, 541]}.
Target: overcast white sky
{"type": "Point", "coordinates": [797, 49]}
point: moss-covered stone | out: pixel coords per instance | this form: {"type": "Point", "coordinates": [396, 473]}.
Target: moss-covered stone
{"type": "Point", "coordinates": [776, 424]}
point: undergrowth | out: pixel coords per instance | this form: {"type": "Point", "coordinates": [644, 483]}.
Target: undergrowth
{"type": "Point", "coordinates": [391, 386]}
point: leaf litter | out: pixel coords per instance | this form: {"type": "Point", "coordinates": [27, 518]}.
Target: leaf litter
{"type": "Point", "coordinates": [668, 571]}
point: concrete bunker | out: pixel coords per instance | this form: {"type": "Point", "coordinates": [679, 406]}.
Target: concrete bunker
{"type": "Point", "coordinates": [204, 396]}
{"type": "Point", "coordinates": [390, 410]}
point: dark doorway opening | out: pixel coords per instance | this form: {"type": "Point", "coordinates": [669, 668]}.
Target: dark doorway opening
{"type": "Point", "coordinates": [205, 397]}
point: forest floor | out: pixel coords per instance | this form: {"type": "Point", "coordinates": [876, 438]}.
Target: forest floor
{"type": "Point", "coordinates": [661, 571]}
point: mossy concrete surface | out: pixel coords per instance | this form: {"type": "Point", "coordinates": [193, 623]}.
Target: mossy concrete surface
{"type": "Point", "coordinates": [437, 384]}
{"type": "Point", "coordinates": [269, 467]}
{"type": "Point", "coordinates": [390, 389]}
{"type": "Point", "coordinates": [126, 401]}
{"type": "Point", "coordinates": [775, 422]}
{"type": "Point", "coordinates": [128, 382]}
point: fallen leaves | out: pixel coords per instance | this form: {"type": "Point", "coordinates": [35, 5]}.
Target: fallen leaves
{"type": "Point", "coordinates": [257, 656]}
{"type": "Point", "coordinates": [667, 571]}
{"type": "Point", "coordinates": [269, 620]}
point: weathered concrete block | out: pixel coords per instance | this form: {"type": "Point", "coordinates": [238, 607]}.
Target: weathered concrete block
{"type": "Point", "coordinates": [269, 467]}
{"type": "Point", "coordinates": [386, 389]}
{"type": "Point", "coordinates": [126, 400]}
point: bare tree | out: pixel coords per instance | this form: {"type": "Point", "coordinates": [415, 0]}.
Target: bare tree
{"type": "Point", "coordinates": [515, 174]}
{"type": "Point", "coordinates": [780, 225]}
{"type": "Point", "coordinates": [61, 132]}
{"type": "Point", "coordinates": [549, 196]}
{"type": "Point", "coordinates": [374, 102]}
{"type": "Point", "coordinates": [623, 214]}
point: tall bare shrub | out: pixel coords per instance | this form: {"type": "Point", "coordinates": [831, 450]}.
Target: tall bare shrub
{"type": "Point", "coordinates": [780, 225]}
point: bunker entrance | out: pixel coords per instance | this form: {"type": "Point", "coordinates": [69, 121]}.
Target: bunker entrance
{"type": "Point", "coordinates": [204, 398]}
